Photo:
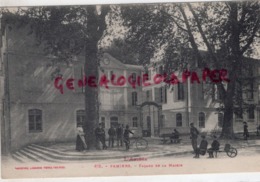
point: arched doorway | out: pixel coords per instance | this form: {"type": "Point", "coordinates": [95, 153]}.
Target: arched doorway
{"type": "Point", "coordinates": [151, 127]}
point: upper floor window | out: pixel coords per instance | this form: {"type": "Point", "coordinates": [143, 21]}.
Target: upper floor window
{"type": "Point", "coordinates": [80, 117]}
{"type": "Point", "coordinates": [202, 120]}
{"type": "Point", "coordinates": [180, 91]}
{"type": "Point", "coordinates": [148, 95]}
{"type": "Point", "coordinates": [148, 72]}
{"type": "Point", "coordinates": [135, 122]}
{"type": "Point", "coordinates": [134, 98]}
{"type": "Point", "coordinates": [178, 119]}
{"type": "Point", "coordinates": [163, 94]}
{"type": "Point", "coordinates": [35, 120]}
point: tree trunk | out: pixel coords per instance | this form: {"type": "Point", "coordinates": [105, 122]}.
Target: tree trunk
{"type": "Point", "coordinates": [91, 95]}
{"type": "Point", "coordinates": [227, 129]}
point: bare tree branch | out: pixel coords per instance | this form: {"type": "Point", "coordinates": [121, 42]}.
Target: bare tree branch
{"type": "Point", "coordinates": [203, 34]}
{"type": "Point", "coordinates": [251, 38]}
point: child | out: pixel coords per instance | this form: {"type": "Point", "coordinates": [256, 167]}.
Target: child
{"type": "Point", "coordinates": [214, 147]}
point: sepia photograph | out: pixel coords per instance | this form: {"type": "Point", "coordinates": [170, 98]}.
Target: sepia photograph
{"type": "Point", "coordinates": [107, 90]}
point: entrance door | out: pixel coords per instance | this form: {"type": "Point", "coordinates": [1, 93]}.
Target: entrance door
{"type": "Point", "coordinates": [149, 126]}
{"type": "Point", "coordinates": [114, 121]}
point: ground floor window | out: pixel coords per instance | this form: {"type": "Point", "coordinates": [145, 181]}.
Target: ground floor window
{"type": "Point", "coordinates": [178, 120]}
{"type": "Point", "coordinates": [35, 120]}
{"type": "Point", "coordinates": [135, 122]}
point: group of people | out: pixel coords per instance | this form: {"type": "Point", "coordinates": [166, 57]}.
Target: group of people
{"type": "Point", "coordinates": [202, 148]}
{"type": "Point", "coordinates": [118, 133]}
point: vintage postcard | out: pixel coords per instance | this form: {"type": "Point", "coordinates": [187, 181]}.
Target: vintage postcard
{"type": "Point", "coordinates": [131, 89]}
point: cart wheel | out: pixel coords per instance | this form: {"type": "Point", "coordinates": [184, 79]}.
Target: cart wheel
{"type": "Point", "coordinates": [232, 152]}
{"type": "Point", "coordinates": [141, 144]}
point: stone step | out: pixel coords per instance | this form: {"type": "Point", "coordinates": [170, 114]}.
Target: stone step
{"type": "Point", "coordinates": [71, 157]}
{"type": "Point", "coordinates": [28, 155]}
{"type": "Point", "coordinates": [40, 156]}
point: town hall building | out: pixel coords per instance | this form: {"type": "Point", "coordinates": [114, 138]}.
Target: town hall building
{"type": "Point", "coordinates": [34, 111]}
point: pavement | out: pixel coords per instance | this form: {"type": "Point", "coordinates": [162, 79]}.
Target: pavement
{"type": "Point", "coordinates": [65, 152]}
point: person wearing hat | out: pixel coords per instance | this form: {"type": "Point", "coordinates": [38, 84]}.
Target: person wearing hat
{"type": "Point", "coordinates": [100, 136]}
{"type": "Point", "coordinates": [194, 136]}
{"type": "Point", "coordinates": [245, 134]}
{"type": "Point", "coordinates": [203, 147]}
{"type": "Point", "coordinates": [214, 147]}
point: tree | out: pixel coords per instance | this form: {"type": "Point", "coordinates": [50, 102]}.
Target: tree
{"type": "Point", "coordinates": [227, 30]}
{"type": "Point", "coordinates": [65, 32]}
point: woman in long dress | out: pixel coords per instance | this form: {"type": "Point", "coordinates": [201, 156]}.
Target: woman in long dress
{"type": "Point", "coordinates": [80, 141]}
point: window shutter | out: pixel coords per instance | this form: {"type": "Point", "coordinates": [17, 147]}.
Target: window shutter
{"type": "Point", "coordinates": [129, 98]}
{"type": "Point", "coordinates": [163, 94]}
{"type": "Point", "coordinates": [144, 96]}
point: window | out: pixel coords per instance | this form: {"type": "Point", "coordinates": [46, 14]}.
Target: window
{"type": "Point", "coordinates": [180, 91]}
{"type": "Point", "coordinates": [251, 112]}
{"type": "Point", "coordinates": [148, 72]}
{"type": "Point", "coordinates": [103, 121]}
{"type": "Point", "coordinates": [202, 120]}
{"type": "Point", "coordinates": [178, 120]}
{"type": "Point", "coordinates": [135, 123]}
{"type": "Point", "coordinates": [250, 92]}
{"type": "Point", "coordinates": [148, 95]}
{"type": "Point", "coordinates": [35, 120]}
{"type": "Point", "coordinates": [163, 94]}
{"type": "Point", "coordinates": [134, 98]}
{"type": "Point", "coordinates": [80, 117]}
{"type": "Point", "coordinates": [220, 119]}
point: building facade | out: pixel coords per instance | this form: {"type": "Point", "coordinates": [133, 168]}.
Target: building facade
{"type": "Point", "coordinates": [34, 111]}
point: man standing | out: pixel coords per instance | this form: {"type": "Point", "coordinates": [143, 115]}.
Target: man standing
{"type": "Point", "coordinates": [245, 134]}
{"type": "Point", "coordinates": [100, 136]}
{"type": "Point", "coordinates": [111, 134]}
{"type": "Point", "coordinates": [193, 136]}
{"type": "Point", "coordinates": [119, 135]}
